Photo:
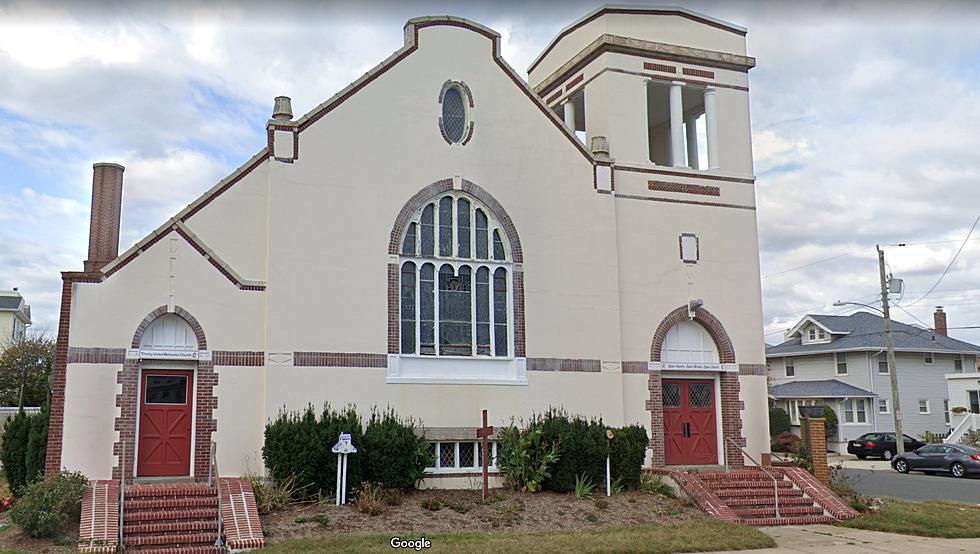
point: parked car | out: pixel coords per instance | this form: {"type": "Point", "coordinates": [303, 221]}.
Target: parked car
{"type": "Point", "coordinates": [880, 444]}
{"type": "Point", "coordinates": [958, 459]}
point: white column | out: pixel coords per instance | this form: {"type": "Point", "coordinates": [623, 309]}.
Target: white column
{"type": "Point", "coordinates": [676, 125]}
{"type": "Point", "coordinates": [691, 126]}
{"type": "Point", "coordinates": [570, 115]}
{"type": "Point", "coordinates": [711, 126]}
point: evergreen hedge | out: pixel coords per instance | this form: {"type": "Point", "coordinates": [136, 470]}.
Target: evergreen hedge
{"type": "Point", "coordinates": [583, 447]}
{"type": "Point", "coordinates": [778, 422]}
{"type": "Point", "coordinates": [25, 440]}
{"type": "Point", "coordinates": [389, 450]}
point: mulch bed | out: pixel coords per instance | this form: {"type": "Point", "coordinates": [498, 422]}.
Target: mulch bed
{"type": "Point", "coordinates": [463, 511]}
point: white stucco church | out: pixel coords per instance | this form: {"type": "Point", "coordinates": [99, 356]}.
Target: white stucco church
{"type": "Point", "coordinates": [442, 236]}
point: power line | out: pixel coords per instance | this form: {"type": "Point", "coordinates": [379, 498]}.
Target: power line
{"type": "Point", "coordinates": [813, 263]}
{"type": "Point", "coordinates": [945, 271]}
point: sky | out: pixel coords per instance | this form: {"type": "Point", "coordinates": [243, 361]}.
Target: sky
{"type": "Point", "coordinates": [865, 119]}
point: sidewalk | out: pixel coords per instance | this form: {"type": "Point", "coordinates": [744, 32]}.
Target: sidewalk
{"type": "Point", "coordinates": [827, 539]}
{"type": "Point", "coordinates": [851, 462]}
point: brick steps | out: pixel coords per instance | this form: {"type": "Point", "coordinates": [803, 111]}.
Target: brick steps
{"type": "Point", "coordinates": [768, 501]}
{"type": "Point", "coordinates": [757, 493]}
{"type": "Point", "coordinates": [174, 518]}
{"type": "Point", "coordinates": [169, 516]}
{"type": "Point", "coordinates": [170, 503]}
{"type": "Point", "coordinates": [747, 496]}
{"type": "Point", "coordinates": [187, 525]}
{"type": "Point", "coordinates": [770, 511]}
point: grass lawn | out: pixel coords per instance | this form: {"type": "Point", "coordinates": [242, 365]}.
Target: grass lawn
{"type": "Point", "coordinates": [702, 535]}
{"type": "Point", "coordinates": [935, 518]}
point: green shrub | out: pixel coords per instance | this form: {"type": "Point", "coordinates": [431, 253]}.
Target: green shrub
{"type": "Point", "coordinates": [971, 438]}
{"type": "Point", "coordinates": [524, 458]}
{"type": "Point", "coordinates": [394, 454]}
{"type": "Point", "coordinates": [778, 421]}
{"type": "Point", "coordinates": [25, 440]}
{"type": "Point", "coordinates": [829, 422]}
{"type": "Point", "coordinates": [16, 433]}
{"type": "Point", "coordinates": [582, 445]}
{"type": "Point", "coordinates": [654, 484]}
{"type": "Point", "coordinates": [298, 444]}
{"type": "Point", "coordinates": [584, 486]}
{"type": "Point", "coordinates": [48, 507]}
{"type": "Point", "coordinates": [628, 450]}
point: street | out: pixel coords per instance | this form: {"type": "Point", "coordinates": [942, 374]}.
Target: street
{"type": "Point", "coordinates": [914, 486]}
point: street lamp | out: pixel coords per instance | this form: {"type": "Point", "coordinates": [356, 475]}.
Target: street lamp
{"type": "Point", "coordinates": [892, 369]}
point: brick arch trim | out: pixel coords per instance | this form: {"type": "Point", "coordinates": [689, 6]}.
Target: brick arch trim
{"type": "Point", "coordinates": [711, 324]}
{"type": "Point", "coordinates": [202, 342]}
{"type": "Point", "coordinates": [430, 192]}
{"type": "Point", "coordinates": [204, 400]}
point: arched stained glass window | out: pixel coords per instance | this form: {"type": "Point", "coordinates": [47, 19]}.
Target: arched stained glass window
{"type": "Point", "coordinates": [453, 296]}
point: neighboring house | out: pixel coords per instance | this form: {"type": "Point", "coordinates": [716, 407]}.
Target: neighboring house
{"type": "Point", "coordinates": [15, 317]}
{"type": "Point", "coordinates": [434, 238]}
{"type": "Point", "coordinates": [841, 361]}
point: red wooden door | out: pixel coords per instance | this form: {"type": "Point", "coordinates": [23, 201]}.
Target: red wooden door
{"type": "Point", "coordinates": [690, 432]}
{"type": "Point", "coordinates": [165, 423]}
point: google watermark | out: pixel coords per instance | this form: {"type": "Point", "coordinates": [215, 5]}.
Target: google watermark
{"type": "Point", "coordinates": [418, 544]}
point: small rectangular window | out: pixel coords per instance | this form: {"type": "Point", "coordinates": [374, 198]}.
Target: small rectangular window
{"type": "Point", "coordinates": [946, 411]}
{"type": "Point", "coordinates": [923, 406]}
{"type": "Point", "coordinates": [848, 411]}
{"type": "Point", "coordinates": [927, 358]}
{"type": "Point", "coordinates": [813, 334]}
{"type": "Point", "coordinates": [974, 402]}
{"type": "Point", "coordinates": [821, 334]}
{"type": "Point", "coordinates": [842, 363]}
{"type": "Point", "coordinates": [690, 251]}
{"type": "Point", "coordinates": [882, 405]}
{"type": "Point", "coordinates": [790, 367]}
{"type": "Point", "coordinates": [882, 367]}
{"type": "Point", "coordinates": [958, 364]}
{"type": "Point", "coordinates": [166, 389]}
{"type": "Point", "coordinates": [862, 416]}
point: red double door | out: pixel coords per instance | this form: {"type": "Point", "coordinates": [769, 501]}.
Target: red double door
{"type": "Point", "coordinates": [166, 400]}
{"type": "Point", "coordinates": [690, 431]}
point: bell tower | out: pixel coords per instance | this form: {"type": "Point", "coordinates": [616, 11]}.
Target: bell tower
{"type": "Point", "coordinates": [667, 87]}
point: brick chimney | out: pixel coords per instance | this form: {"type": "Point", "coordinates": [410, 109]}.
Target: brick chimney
{"type": "Point", "coordinates": [103, 232]}
{"type": "Point", "coordinates": [939, 319]}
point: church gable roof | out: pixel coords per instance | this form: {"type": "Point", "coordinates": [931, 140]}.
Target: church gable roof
{"type": "Point", "coordinates": [412, 28]}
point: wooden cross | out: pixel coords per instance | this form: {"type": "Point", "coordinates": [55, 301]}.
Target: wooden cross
{"type": "Point", "coordinates": [484, 434]}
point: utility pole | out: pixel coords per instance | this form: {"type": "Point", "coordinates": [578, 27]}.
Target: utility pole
{"type": "Point", "coordinates": [892, 369]}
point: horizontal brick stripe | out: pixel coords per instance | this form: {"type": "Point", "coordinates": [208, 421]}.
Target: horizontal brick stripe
{"type": "Point", "coordinates": [635, 367]}
{"type": "Point", "coordinates": [243, 358]}
{"type": "Point", "coordinates": [686, 188]}
{"type": "Point", "coordinates": [660, 67]}
{"type": "Point", "coordinates": [751, 369]}
{"type": "Point", "coordinates": [678, 201]}
{"type": "Point", "coordinates": [699, 73]}
{"type": "Point", "coordinates": [564, 364]}
{"type": "Point", "coordinates": [97, 355]}
{"type": "Point", "coordinates": [339, 359]}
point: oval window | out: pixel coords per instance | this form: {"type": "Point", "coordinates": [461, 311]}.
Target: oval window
{"type": "Point", "coordinates": [453, 114]}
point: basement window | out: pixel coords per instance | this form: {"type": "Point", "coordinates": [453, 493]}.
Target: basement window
{"type": "Point", "coordinates": [460, 457]}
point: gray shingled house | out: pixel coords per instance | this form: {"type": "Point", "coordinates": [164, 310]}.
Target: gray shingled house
{"type": "Point", "coordinates": [841, 362]}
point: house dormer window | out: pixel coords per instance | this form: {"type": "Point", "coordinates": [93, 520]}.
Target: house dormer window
{"type": "Point", "coordinates": [813, 334]}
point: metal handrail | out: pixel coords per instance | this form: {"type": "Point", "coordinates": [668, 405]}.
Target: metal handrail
{"type": "Point", "coordinates": [213, 471]}
{"type": "Point", "coordinates": [122, 494]}
{"type": "Point", "coordinates": [775, 483]}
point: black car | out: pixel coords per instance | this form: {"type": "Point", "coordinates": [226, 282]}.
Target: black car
{"type": "Point", "coordinates": [880, 444]}
{"type": "Point", "coordinates": [958, 459]}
